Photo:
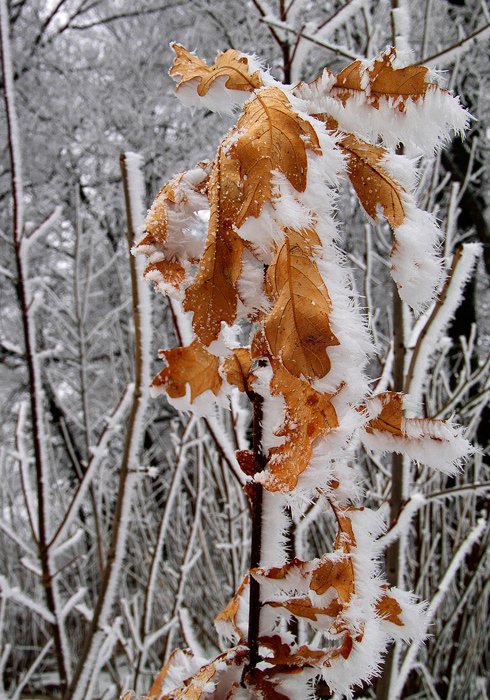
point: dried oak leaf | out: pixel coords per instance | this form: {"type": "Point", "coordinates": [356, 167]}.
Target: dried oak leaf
{"type": "Point", "coordinates": [229, 614]}
{"type": "Point", "coordinates": [194, 687]}
{"type": "Point", "coordinates": [165, 266]}
{"type": "Point", "coordinates": [227, 64]}
{"type": "Point", "coordinates": [298, 327]}
{"type": "Point", "coordinates": [264, 688]}
{"type": "Point", "coordinates": [192, 365]}
{"type": "Point", "coordinates": [380, 80]}
{"type": "Point", "coordinates": [303, 607]}
{"type": "Point", "coordinates": [337, 574]}
{"type": "Point", "coordinates": [374, 187]}
{"type": "Point", "coordinates": [213, 294]}
{"type": "Point", "coordinates": [236, 369]}
{"type": "Point", "coordinates": [169, 272]}
{"type": "Point", "coordinates": [334, 574]}
{"type": "Point", "coordinates": [271, 136]}
{"type": "Point", "coordinates": [175, 192]}
{"type": "Point", "coordinates": [309, 415]}
{"type": "Point", "coordinates": [245, 459]}
{"type": "Point", "coordinates": [157, 687]}
{"type": "Point", "coordinates": [286, 656]}
{"type": "Point", "coordinates": [390, 418]}
{"type": "Point", "coordinates": [389, 609]}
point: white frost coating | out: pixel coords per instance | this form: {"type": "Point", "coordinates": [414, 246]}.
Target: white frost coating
{"type": "Point", "coordinates": [250, 285]}
{"type": "Point", "coordinates": [26, 677]}
{"type": "Point", "coordinates": [415, 265]}
{"type": "Point", "coordinates": [274, 408]}
{"type": "Point", "coordinates": [436, 327]}
{"type": "Point", "coordinates": [189, 634]}
{"type": "Point", "coordinates": [275, 524]}
{"type": "Point", "coordinates": [410, 508]}
{"type": "Point", "coordinates": [112, 424]}
{"type": "Point", "coordinates": [177, 477]}
{"type": "Point", "coordinates": [13, 126]}
{"type": "Point", "coordinates": [442, 589]}
{"type": "Point", "coordinates": [182, 665]}
{"type": "Point", "coordinates": [218, 98]}
{"type": "Point", "coordinates": [446, 58]}
{"type": "Point", "coordinates": [425, 123]}
{"type": "Point", "coordinates": [69, 542]}
{"type": "Point", "coordinates": [401, 25]}
{"type": "Point", "coordinates": [136, 186]}
{"type": "Point", "coordinates": [339, 19]}
{"type": "Point", "coordinates": [101, 646]}
{"type": "Point", "coordinates": [46, 225]}
{"type": "Point", "coordinates": [15, 594]}
{"type": "Point", "coordinates": [436, 443]}
{"type": "Point", "coordinates": [264, 232]}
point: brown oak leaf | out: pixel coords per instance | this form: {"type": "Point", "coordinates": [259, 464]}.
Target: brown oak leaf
{"type": "Point", "coordinates": [381, 80]}
{"type": "Point", "coordinates": [390, 418]}
{"type": "Point", "coordinates": [298, 327]}
{"type": "Point", "coordinates": [374, 187]}
{"type": "Point", "coordinates": [192, 365]}
{"type": "Point", "coordinates": [303, 607]}
{"type": "Point", "coordinates": [389, 609]}
{"type": "Point", "coordinates": [228, 64]}
{"type": "Point", "coordinates": [309, 415]}
{"type": "Point", "coordinates": [271, 136]}
{"type": "Point", "coordinates": [213, 295]}
{"type": "Point", "coordinates": [236, 369]}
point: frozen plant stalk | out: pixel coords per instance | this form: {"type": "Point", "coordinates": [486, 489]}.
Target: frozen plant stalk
{"type": "Point", "coordinates": [271, 262]}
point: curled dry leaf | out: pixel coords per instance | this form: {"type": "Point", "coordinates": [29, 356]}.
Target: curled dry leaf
{"type": "Point", "coordinates": [389, 609]}
{"type": "Point", "coordinates": [192, 365]}
{"type": "Point", "coordinates": [236, 369]}
{"type": "Point", "coordinates": [228, 615]}
{"type": "Point", "coordinates": [380, 80]}
{"type": "Point", "coordinates": [304, 608]}
{"type": "Point", "coordinates": [389, 419]}
{"type": "Point", "coordinates": [298, 327]}
{"type": "Point", "coordinates": [374, 187]}
{"type": "Point", "coordinates": [228, 64]}
{"type": "Point", "coordinates": [309, 415]}
{"type": "Point", "coordinates": [271, 136]}
{"type": "Point", "coordinates": [213, 295]}
{"type": "Point", "coordinates": [223, 670]}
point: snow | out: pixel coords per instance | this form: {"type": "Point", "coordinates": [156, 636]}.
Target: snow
{"type": "Point", "coordinates": [432, 328]}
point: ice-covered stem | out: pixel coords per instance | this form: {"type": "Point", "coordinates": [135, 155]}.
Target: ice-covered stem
{"type": "Point", "coordinates": [392, 557]}
{"type": "Point", "coordinates": [255, 492]}
{"type": "Point", "coordinates": [128, 472]}
{"type": "Point", "coordinates": [27, 309]}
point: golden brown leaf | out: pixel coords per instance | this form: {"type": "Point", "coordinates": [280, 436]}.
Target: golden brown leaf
{"type": "Point", "coordinates": [271, 137]}
{"type": "Point", "coordinates": [236, 369]}
{"type": "Point", "coordinates": [338, 575]}
{"type": "Point", "coordinates": [309, 415]}
{"type": "Point", "coordinates": [246, 462]}
{"type": "Point", "coordinates": [264, 688]}
{"type": "Point", "coordinates": [228, 64]}
{"type": "Point", "coordinates": [192, 365]}
{"type": "Point", "coordinates": [389, 609]}
{"type": "Point", "coordinates": [383, 81]}
{"type": "Point", "coordinates": [168, 272]}
{"type": "Point", "coordinates": [389, 420]}
{"type": "Point", "coordinates": [301, 607]}
{"type": "Point", "coordinates": [213, 295]}
{"type": "Point", "coordinates": [156, 688]}
{"type": "Point", "coordinates": [374, 187]}
{"type": "Point", "coordinates": [298, 327]}
{"type": "Point", "coordinates": [229, 613]}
